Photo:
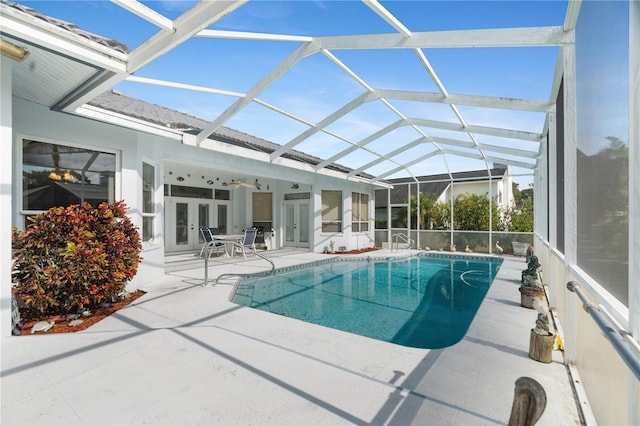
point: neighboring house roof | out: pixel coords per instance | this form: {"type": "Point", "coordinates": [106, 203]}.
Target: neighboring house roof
{"type": "Point", "coordinates": [73, 28]}
{"type": "Point", "coordinates": [126, 105]}
{"type": "Point", "coordinates": [436, 184]}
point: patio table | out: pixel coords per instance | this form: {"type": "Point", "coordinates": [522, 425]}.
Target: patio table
{"type": "Point", "coordinates": [228, 241]}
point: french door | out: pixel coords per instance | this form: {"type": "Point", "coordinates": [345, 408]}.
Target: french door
{"type": "Point", "coordinates": [185, 217]}
{"type": "Point", "coordinates": [296, 223]}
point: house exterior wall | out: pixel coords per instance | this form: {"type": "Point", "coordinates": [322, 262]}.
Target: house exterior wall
{"type": "Point", "coordinates": [501, 191]}
{"type": "Point", "coordinates": [39, 123]}
{"type": "Point", "coordinates": [132, 148]}
{"type": "Point", "coordinates": [280, 179]}
{"type": "Point", "coordinates": [347, 238]}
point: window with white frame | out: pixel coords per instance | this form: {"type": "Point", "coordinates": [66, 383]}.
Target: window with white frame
{"type": "Point", "coordinates": [331, 211]}
{"type": "Point", "coordinates": [59, 175]}
{"type": "Point", "coordinates": [359, 212]}
{"type": "Point", "coordinates": [148, 201]}
{"type": "Point", "coordinates": [263, 210]}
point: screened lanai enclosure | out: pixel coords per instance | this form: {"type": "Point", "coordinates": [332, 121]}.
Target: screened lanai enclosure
{"type": "Point", "coordinates": [472, 212]}
{"type": "Point", "coordinates": [371, 122]}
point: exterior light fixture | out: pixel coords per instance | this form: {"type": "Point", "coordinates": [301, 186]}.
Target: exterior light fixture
{"type": "Point", "coordinates": [60, 176]}
{"type": "Point", "coordinates": [12, 51]}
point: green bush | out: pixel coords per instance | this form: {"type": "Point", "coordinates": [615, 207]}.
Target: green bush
{"type": "Point", "coordinates": [71, 258]}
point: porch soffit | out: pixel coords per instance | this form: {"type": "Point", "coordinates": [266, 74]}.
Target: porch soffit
{"type": "Point", "coordinates": [418, 135]}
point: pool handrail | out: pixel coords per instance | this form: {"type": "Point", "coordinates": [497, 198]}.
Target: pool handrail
{"type": "Point", "coordinates": [395, 238]}
{"type": "Point", "coordinates": [235, 243]}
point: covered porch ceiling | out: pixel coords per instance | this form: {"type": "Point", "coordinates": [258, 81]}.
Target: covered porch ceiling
{"type": "Point", "coordinates": [403, 93]}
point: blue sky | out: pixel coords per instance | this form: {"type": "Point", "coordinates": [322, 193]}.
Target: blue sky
{"type": "Point", "coordinates": [315, 86]}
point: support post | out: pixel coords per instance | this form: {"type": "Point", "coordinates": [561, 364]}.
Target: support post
{"type": "Point", "coordinates": [529, 402]}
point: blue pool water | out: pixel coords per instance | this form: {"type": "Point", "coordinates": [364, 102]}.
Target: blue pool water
{"type": "Point", "coordinates": [423, 302]}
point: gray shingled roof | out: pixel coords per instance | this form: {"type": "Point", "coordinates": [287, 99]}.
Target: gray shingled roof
{"type": "Point", "coordinates": [72, 28]}
{"type": "Point", "coordinates": [436, 184]}
{"type": "Point", "coordinates": [126, 105]}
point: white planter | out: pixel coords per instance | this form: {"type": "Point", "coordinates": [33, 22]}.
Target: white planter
{"type": "Point", "coordinates": [519, 249]}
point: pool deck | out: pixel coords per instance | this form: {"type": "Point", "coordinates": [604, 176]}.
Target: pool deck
{"type": "Point", "coordinates": [184, 354]}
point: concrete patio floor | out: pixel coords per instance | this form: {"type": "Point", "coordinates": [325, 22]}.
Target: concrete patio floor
{"type": "Point", "coordinates": [184, 354]}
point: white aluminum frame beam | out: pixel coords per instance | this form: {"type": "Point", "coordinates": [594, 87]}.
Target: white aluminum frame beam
{"type": "Point", "coordinates": [362, 143]}
{"type": "Point", "coordinates": [388, 17]}
{"type": "Point", "coordinates": [334, 116]}
{"type": "Point", "coordinates": [146, 13]}
{"type": "Point", "coordinates": [501, 37]}
{"type": "Point", "coordinates": [483, 130]}
{"type": "Point", "coordinates": [193, 23]}
{"type": "Point", "coordinates": [241, 35]}
{"type": "Point", "coordinates": [469, 100]}
{"type": "Point", "coordinates": [490, 158]}
{"type": "Point", "coordinates": [390, 155]}
{"type": "Point", "coordinates": [185, 26]}
{"type": "Point", "coordinates": [284, 66]}
{"type": "Point", "coordinates": [407, 165]}
{"type": "Point", "coordinates": [194, 88]}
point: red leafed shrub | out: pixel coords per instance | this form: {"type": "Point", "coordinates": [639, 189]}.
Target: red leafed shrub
{"type": "Point", "coordinates": [71, 258]}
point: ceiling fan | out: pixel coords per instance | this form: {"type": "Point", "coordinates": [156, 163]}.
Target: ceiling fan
{"type": "Point", "coordinates": [238, 183]}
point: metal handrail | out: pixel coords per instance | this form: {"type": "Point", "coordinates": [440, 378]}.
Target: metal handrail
{"type": "Point", "coordinates": [407, 240]}
{"type": "Point", "coordinates": [237, 244]}
{"type": "Point", "coordinates": [614, 336]}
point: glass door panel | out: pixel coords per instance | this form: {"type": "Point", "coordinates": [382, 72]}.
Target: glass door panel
{"type": "Point", "coordinates": [289, 223]}
{"type": "Point", "coordinates": [222, 219]}
{"type": "Point", "coordinates": [296, 223]}
{"type": "Point", "coordinates": [182, 224]}
{"type": "Point", "coordinates": [304, 223]}
{"type": "Point", "coordinates": [203, 220]}
{"type": "Point", "coordinates": [185, 217]}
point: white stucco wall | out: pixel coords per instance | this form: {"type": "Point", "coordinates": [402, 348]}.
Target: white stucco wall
{"type": "Point", "coordinates": [132, 148]}
{"type": "Point", "coordinates": [279, 178]}
{"type": "Point", "coordinates": [499, 186]}
{"type": "Point", "coordinates": [34, 121]}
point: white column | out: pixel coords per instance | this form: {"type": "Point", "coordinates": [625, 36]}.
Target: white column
{"type": "Point", "coordinates": [570, 196]}
{"type": "Point", "coordinates": [544, 170]}
{"type": "Point", "coordinates": [634, 197]}
{"type": "Point", "coordinates": [6, 170]}
{"type": "Point", "coordinates": [552, 205]}
{"type": "Point", "coordinates": [552, 179]}
{"type": "Point", "coordinates": [540, 215]}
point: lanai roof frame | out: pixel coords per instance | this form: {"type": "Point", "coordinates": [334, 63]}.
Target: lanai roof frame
{"type": "Point", "coordinates": [197, 22]}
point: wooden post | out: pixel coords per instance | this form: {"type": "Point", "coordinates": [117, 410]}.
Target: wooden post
{"type": "Point", "coordinates": [528, 293]}
{"type": "Point", "coordinates": [541, 347]}
{"type": "Point", "coordinates": [529, 402]}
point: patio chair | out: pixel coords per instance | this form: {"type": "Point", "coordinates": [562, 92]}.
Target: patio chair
{"type": "Point", "coordinates": [209, 242]}
{"type": "Point", "coordinates": [249, 241]}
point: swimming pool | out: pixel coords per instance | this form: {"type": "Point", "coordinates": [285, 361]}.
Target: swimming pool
{"type": "Point", "coordinates": [425, 301]}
